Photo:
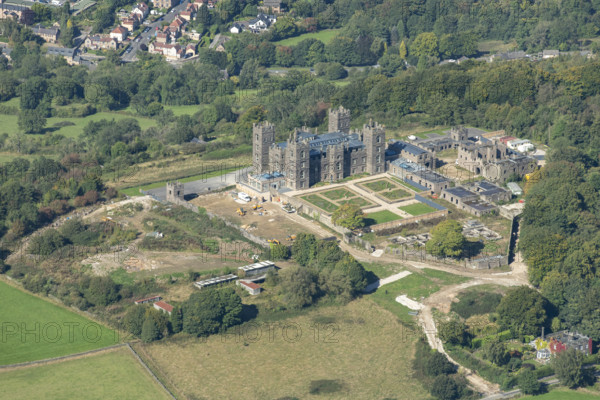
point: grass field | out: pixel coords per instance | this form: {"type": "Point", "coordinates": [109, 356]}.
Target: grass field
{"type": "Point", "coordinates": [357, 201]}
{"type": "Point", "coordinates": [415, 286]}
{"type": "Point", "coordinates": [55, 331]}
{"type": "Point", "coordinates": [380, 217]}
{"type": "Point", "coordinates": [324, 36]}
{"type": "Point", "coordinates": [320, 202]}
{"type": "Point", "coordinates": [379, 185]}
{"type": "Point", "coordinates": [417, 209]}
{"type": "Point", "coordinates": [337, 194]}
{"type": "Point", "coordinates": [562, 394]}
{"type": "Point", "coordinates": [395, 194]}
{"type": "Point", "coordinates": [356, 351]}
{"type": "Point", "coordinates": [8, 123]}
{"type": "Point", "coordinates": [406, 185]}
{"type": "Point", "coordinates": [110, 375]}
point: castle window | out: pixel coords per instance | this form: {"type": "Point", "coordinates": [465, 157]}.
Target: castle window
{"type": "Point", "coordinates": [301, 174]}
{"type": "Point", "coordinates": [302, 184]}
{"type": "Point", "coordinates": [257, 136]}
{"type": "Point", "coordinates": [364, 160]}
{"type": "Point", "coordinates": [378, 168]}
{"type": "Point", "coordinates": [354, 162]}
{"type": "Point", "coordinates": [303, 164]}
{"type": "Point", "coordinates": [339, 166]}
{"type": "Point", "coordinates": [379, 149]}
{"type": "Point", "coordinates": [378, 139]}
{"type": "Point", "coordinates": [303, 154]}
{"type": "Point", "coordinates": [378, 158]}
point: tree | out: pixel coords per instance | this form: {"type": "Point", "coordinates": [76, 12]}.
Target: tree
{"type": "Point", "coordinates": [176, 319]}
{"type": "Point", "coordinates": [402, 52]}
{"type": "Point", "coordinates": [349, 216]}
{"type": "Point", "coordinates": [523, 311]}
{"type": "Point", "coordinates": [438, 364]}
{"type": "Point", "coordinates": [568, 366]}
{"type": "Point", "coordinates": [445, 388]}
{"type": "Point", "coordinates": [210, 311]}
{"type": "Point", "coordinates": [279, 251]}
{"type": "Point", "coordinates": [447, 239]}
{"type": "Point", "coordinates": [528, 382]}
{"type": "Point", "coordinates": [298, 286]}
{"type": "Point", "coordinates": [425, 45]}
{"type": "Point", "coordinates": [495, 351]}
{"type": "Point", "coordinates": [32, 121]}
{"type": "Point", "coordinates": [134, 320]}
{"type": "Point", "coordinates": [453, 332]}
{"type": "Point", "coordinates": [304, 249]}
{"type": "Point", "coordinates": [150, 331]}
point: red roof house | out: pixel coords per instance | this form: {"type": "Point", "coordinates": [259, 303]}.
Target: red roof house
{"type": "Point", "coordinates": [163, 306]}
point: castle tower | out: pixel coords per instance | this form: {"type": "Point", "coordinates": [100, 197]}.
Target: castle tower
{"type": "Point", "coordinates": [373, 137]}
{"type": "Point", "coordinates": [297, 160]}
{"type": "Point", "coordinates": [263, 136]}
{"type": "Point", "coordinates": [339, 120]}
{"type": "Point", "coordinates": [174, 191]}
{"type": "Point", "coordinates": [459, 133]}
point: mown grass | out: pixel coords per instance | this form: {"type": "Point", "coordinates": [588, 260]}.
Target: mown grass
{"type": "Point", "coordinates": [380, 217]}
{"type": "Point", "coordinates": [320, 202]}
{"type": "Point", "coordinates": [56, 331]}
{"type": "Point", "coordinates": [9, 123]}
{"type": "Point", "coordinates": [337, 194]}
{"type": "Point", "coordinates": [562, 394]}
{"type": "Point", "coordinates": [379, 185]}
{"type": "Point", "coordinates": [357, 201]}
{"type": "Point", "coordinates": [111, 375]}
{"type": "Point", "coordinates": [417, 209]}
{"type": "Point", "coordinates": [395, 194]}
{"type": "Point", "coordinates": [324, 36]}
{"type": "Point", "coordinates": [359, 346]}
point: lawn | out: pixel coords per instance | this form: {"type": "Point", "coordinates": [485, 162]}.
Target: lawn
{"type": "Point", "coordinates": [337, 194]}
{"type": "Point", "coordinates": [407, 185]}
{"type": "Point", "coordinates": [380, 217]}
{"type": "Point", "coordinates": [109, 375]}
{"type": "Point", "coordinates": [562, 394]}
{"type": "Point", "coordinates": [395, 194]}
{"type": "Point", "coordinates": [358, 351]}
{"type": "Point", "coordinates": [56, 330]}
{"type": "Point", "coordinates": [357, 201]}
{"type": "Point", "coordinates": [417, 209]}
{"type": "Point", "coordinates": [379, 185]}
{"type": "Point", "coordinates": [8, 123]}
{"type": "Point", "coordinates": [320, 202]}
{"type": "Point", "coordinates": [324, 36]}
{"type": "Point", "coordinates": [135, 191]}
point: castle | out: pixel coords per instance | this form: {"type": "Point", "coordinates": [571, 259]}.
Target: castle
{"type": "Point", "coordinates": [307, 158]}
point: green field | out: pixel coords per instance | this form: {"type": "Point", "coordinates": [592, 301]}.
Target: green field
{"type": "Point", "coordinates": [320, 202]}
{"type": "Point", "coordinates": [380, 217]}
{"type": "Point", "coordinates": [356, 201]}
{"type": "Point", "coordinates": [55, 331]}
{"type": "Point", "coordinates": [379, 185]}
{"type": "Point", "coordinates": [417, 209]}
{"type": "Point", "coordinates": [111, 375]}
{"type": "Point", "coordinates": [562, 394]}
{"type": "Point", "coordinates": [337, 194]}
{"type": "Point", "coordinates": [406, 185]}
{"type": "Point", "coordinates": [135, 191]}
{"type": "Point", "coordinates": [395, 194]}
{"type": "Point", "coordinates": [8, 123]}
{"type": "Point", "coordinates": [324, 36]}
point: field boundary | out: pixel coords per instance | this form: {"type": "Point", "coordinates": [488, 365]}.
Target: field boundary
{"type": "Point", "coordinates": [61, 358]}
{"type": "Point", "coordinates": [137, 356]}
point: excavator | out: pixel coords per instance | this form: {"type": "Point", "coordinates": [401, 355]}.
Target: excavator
{"type": "Point", "coordinates": [256, 207]}
{"type": "Point", "coordinates": [273, 241]}
{"type": "Point", "coordinates": [291, 238]}
{"type": "Point", "coordinates": [241, 212]}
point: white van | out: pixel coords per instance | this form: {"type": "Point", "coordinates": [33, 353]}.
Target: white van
{"type": "Point", "coordinates": [243, 196]}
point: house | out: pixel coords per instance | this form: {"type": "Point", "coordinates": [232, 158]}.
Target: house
{"type": "Point", "coordinates": [163, 306]}
{"type": "Point", "coordinates": [489, 192]}
{"type": "Point", "coordinates": [550, 54]}
{"type": "Point", "coordinates": [190, 50]}
{"type": "Point", "coordinates": [468, 201]}
{"type": "Point", "coordinates": [170, 51]}
{"type": "Point", "coordinates": [505, 139]}
{"type": "Point", "coordinates": [101, 42]}
{"type": "Point", "coordinates": [163, 37]}
{"type": "Point", "coordinates": [273, 6]}
{"type": "Point", "coordinates": [401, 149]}
{"type": "Point", "coordinates": [67, 53]}
{"type": "Point", "coordinates": [119, 33]}
{"type": "Point", "coordinates": [236, 28]}
{"type": "Point", "coordinates": [261, 23]}
{"type": "Point", "coordinates": [250, 287]}
{"type": "Point", "coordinates": [151, 299]}
{"type": "Point", "coordinates": [166, 4]}
{"type": "Point", "coordinates": [259, 268]}
{"type": "Point", "coordinates": [130, 23]}
{"type": "Point", "coordinates": [177, 24]}
{"type": "Point", "coordinates": [418, 175]}
{"type": "Point", "coordinates": [142, 10]}
{"type": "Point", "coordinates": [514, 188]}
{"type": "Point", "coordinates": [215, 281]}
{"type": "Point", "coordinates": [21, 14]}
{"type": "Point", "coordinates": [560, 341]}
{"type": "Point", "coordinates": [218, 43]}
{"type": "Point", "coordinates": [50, 35]}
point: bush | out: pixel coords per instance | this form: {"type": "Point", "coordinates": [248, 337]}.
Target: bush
{"type": "Point", "coordinates": [438, 364]}
{"type": "Point", "coordinates": [476, 303]}
{"type": "Point", "coordinates": [445, 388]}
{"type": "Point", "coordinates": [528, 382]}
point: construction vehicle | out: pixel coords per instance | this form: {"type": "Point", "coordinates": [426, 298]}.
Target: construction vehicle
{"type": "Point", "coordinates": [241, 212]}
{"type": "Point", "coordinates": [287, 207]}
{"type": "Point", "coordinates": [273, 241]}
{"type": "Point", "coordinates": [256, 207]}
{"type": "Point", "coordinates": [291, 238]}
